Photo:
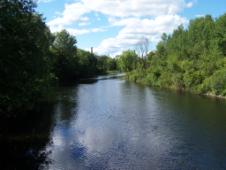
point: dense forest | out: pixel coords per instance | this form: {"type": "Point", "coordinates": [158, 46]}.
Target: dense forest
{"type": "Point", "coordinates": [191, 59]}
{"type": "Point", "coordinates": [34, 60]}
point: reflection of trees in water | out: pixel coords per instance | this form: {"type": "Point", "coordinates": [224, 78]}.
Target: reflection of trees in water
{"type": "Point", "coordinates": [191, 127]}
{"type": "Point", "coordinates": [197, 109]}
{"type": "Point", "coordinates": [22, 139]}
{"type": "Point", "coordinates": [197, 127]}
{"type": "Point", "coordinates": [67, 104]}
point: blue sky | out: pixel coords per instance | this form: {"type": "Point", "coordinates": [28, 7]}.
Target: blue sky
{"type": "Point", "coordinates": [111, 26]}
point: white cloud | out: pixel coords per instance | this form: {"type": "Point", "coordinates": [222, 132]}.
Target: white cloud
{"type": "Point", "coordinates": [72, 12]}
{"type": "Point", "coordinates": [138, 18]}
{"type": "Point", "coordinates": [134, 29]}
{"type": "Point", "coordinates": [84, 21]}
{"type": "Point", "coordinates": [138, 8]}
{"type": "Point", "coordinates": [82, 24]}
{"type": "Point", "coordinates": [77, 32]}
{"type": "Point", "coordinates": [44, 1]}
{"type": "Point", "coordinates": [189, 4]}
{"type": "Point", "coordinates": [118, 8]}
{"type": "Point", "coordinates": [200, 15]}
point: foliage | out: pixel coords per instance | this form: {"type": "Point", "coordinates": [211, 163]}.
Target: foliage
{"type": "Point", "coordinates": [24, 64]}
{"type": "Point", "coordinates": [190, 59]}
{"type": "Point", "coordinates": [63, 51]}
{"type": "Point", "coordinates": [70, 63]}
{"type": "Point", "coordinates": [87, 64]}
{"type": "Point", "coordinates": [105, 63]}
{"type": "Point", "coordinates": [127, 61]}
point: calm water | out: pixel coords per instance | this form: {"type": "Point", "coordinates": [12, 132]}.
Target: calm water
{"type": "Point", "coordinates": [113, 124]}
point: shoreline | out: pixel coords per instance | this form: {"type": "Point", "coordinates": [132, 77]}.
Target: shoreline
{"type": "Point", "coordinates": [207, 95]}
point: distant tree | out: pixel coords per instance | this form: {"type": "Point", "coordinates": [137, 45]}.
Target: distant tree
{"type": "Point", "coordinates": [161, 46]}
{"type": "Point", "coordinates": [87, 63]}
{"type": "Point", "coordinates": [64, 53]}
{"type": "Point", "coordinates": [128, 60]}
{"type": "Point", "coordinates": [64, 44]}
{"type": "Point", "coordinates": [102, 63]}
{"type": "Point", "coordinates": [143, 49]}
{"type": "Point", "coordinates": [111, 63]}
{"type": "Point", "coordinates": [105, 63]}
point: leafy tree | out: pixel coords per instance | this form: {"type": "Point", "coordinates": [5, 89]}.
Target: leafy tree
{"type": "Point", "coordinates": [221, 33]}
{"type": "Point", "coordinates": [161, 47]}
{"type": "Point", "coordinates": [24, 63]}
{"type": "Point", "coordinates": [87, 63]}
{"type": "Point", "coordinates": [105, 63]}
{"type": "Point", "coordinates": [191, 59]}
{"type": "Point", "coordinates": [64, 53]}
{"type": "Point", "coordinates": [127, 61]}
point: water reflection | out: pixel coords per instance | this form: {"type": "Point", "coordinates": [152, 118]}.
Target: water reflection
{"type": "Point", "coordinates": [120, 125]}
{"type": "Point", "coordinates": [22, 140]}
{"type": "Point", "coordinates": [114, 124]}
{"type": "Point", "coordinates": [200, 130]}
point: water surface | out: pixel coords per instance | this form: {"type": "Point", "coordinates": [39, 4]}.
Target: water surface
{"type": "Point", "coordinates": [114, 124]}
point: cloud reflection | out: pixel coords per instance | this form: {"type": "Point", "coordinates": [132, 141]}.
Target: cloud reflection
{"type": "Point", "coordinates": [131, 127]}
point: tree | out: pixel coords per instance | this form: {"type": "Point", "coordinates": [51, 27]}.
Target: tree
{"type": "Point", "coordinates": [64, 52]}
{"type": "Point", "coordinates": [190, 59]}
{"type": "Point", "coordinates": [142, 49]}
{"type": "Point", "coordinates": [24, 63]}
{"type": "Point", "coordinates": [128, 60]}
{"type": "Point", "coordinates": [221, 33]}
{"type": "Point", "coordinates": [161, 46]}
{"type": "Point", "coordinates": [105, 63]}
{"type": "Point", "coordinates": [87, 63]}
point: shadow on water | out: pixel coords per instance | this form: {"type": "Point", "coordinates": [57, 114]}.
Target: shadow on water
{"type": "Point", "coordinates": [23, 139]}
{"type": "Point", "coordinates": [66, 106]}
{"type": "Point", "coordinates": [88, 81]}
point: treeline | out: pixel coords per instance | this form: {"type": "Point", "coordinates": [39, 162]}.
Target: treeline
{"type": "Point", "coordinates": [33, 60]}
{"type": "Point", "coordinates": [191, 59]}
{"type": "Point", "coordinates": [70, 63]}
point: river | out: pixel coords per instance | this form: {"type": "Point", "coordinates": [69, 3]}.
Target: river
{"type": "Point", "coordinates": [112, 124]}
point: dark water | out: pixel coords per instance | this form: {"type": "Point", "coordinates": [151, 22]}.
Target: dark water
{"type": "Point", "coordinates": [113, 124]}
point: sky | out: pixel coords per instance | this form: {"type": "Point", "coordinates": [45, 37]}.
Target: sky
{"type": "Point", "coordinates": [112, 26]}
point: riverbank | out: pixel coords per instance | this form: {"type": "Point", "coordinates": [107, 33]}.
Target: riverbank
{"type": "Point", "coordinates": [142, 78]}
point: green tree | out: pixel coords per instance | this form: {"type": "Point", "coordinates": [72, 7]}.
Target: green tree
{"type": "Point", "coordinates": [64, 53]}
{"type": "Point", "coordinates": [190, 59]}
{"type": "Point", "coordinates": [221, 33]}
{"type": "Point", "coordinates": [24, 62]}
{"type": "Point", "coordinates": [128, 60]}
{"type": "Point", "coordinates": [87, 63]}
{"type": "Point", "coordinates": [105, 63]}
